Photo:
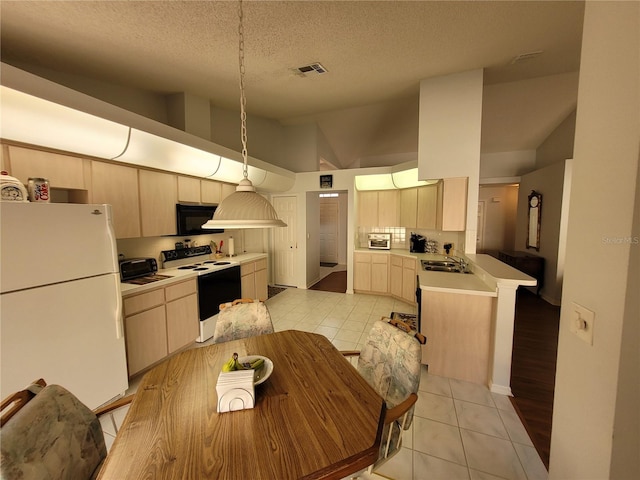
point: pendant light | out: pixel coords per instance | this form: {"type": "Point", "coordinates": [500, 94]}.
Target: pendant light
{"type": "Point", "coordinates": [244, 208]}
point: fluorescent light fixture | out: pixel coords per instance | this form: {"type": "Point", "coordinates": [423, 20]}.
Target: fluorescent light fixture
{"type": "Point", "coordinates": [389, 181]}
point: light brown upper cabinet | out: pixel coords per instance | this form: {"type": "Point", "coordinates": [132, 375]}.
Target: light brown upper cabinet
{"type": "Point", "coordinates": [408, 207]}
{"type": "Point", "coordinates": [210, 191]}
{"type": "Point", "coordinates": [452, 204]}
{"type": "Point", "coordinates": [188, 189]}
{"type": "Point", "coordinates": [118, 185]}
{"type": "Point", "coordinates": [378, 208]}
{"type": "Point", "coordinates": [62, 171]}
{"type": "Point", "coordinates": [426, 215]}
{"type": "Point", "coordinates": [158, 198]}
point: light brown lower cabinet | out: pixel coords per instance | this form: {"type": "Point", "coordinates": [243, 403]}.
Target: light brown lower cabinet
{"type": "Point", "coordinates": [159, 322]}
{"type": "Point", "coordinates": [371, 273]}
{"type": "Point", "coordinates": [458, 331]}
{"type": "Point", "coordinates": [253, 279]}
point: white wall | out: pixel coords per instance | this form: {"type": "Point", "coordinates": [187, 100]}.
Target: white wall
{"type": "Point", "coordinates": [596, 426]}
{"type": "Point", "coordinates": [550, 182]}
{"type": "Point", "coordinates": [449, 135]}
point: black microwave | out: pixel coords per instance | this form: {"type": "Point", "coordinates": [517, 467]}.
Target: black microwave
{"type": "Point", "coordinates": [190, 218]}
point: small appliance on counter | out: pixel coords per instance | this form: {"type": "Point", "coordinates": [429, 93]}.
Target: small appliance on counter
{"type": "Point", "coordinates": [379, 241]}
{"type": "Point", "coordinates": [417, 243]}
{"type": "Point", "coordinates": [140, 271]}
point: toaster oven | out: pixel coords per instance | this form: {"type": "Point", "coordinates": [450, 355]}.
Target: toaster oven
{"type": "Point", "coordinates": [379, 241]}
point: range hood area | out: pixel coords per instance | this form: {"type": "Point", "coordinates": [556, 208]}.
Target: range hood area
{"type": "Point", "coordinates": [38, 112]}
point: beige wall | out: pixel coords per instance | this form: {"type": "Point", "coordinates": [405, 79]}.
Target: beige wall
{"type": "Point", "coordinates": [558, 145]}
{"type": "Point", "coordinates": [550, 182]}
{"type": "Point", "coordinates": [500, 206]}
{"type": "Point", "coordinates": [596, 427]}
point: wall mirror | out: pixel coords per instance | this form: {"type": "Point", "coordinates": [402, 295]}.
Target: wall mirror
{"type": "Point", "coordinates": [535, 208]}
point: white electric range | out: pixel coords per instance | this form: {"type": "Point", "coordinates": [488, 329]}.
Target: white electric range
{"type": "Point", "coordinates": [218, 282]}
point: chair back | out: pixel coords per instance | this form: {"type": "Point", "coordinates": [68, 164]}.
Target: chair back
{"type": "Point", "coordinates": [242, 318]}
{"type": "Point", "coordinates": [390, 362]}
{"type": "Point", "coordinates": [53, 436]}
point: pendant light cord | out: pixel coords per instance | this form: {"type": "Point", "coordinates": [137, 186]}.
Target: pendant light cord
{"type": "Point", "coordinates": [243, 100]}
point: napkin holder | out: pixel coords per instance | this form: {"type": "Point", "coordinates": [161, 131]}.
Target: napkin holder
{"type": "Point", "coordinates": [235, 391]}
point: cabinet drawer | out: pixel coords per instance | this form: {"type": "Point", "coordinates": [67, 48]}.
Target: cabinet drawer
{"type": "Point", "coordinates": [179, 290]}
{"type": "Point", "coordinates": [409, 263]}
{"type": "Point", "coordinates": [362, 257]}
{"type": "Point", "coordinates": [261, 264]}
{"type": "Point", "coordinates": [247, 268]}
{"type": "Point", "coordinates": [144, 301]}
{"type": "Point", "coordinates": [380, 258]}
{"type": "Point", "coordinates": [396, 260]}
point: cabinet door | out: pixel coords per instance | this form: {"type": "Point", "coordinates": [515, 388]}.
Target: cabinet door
{"type": "Point", "coordinates": [395, 276]}
{"type": "Point", "coordinates": [182, 322]}
{"type": "Point", "coordinates": [117, 185]}
{"type": "Point", "coordinates": [262, 290]}
{"type": "Point", "coordinates": [210, 191]}
{"type": "Point", "coordinates": [362, 272]}
{"type": "Point", "coordinates": [452, 204]}
{"type": "Point", "coordinates": [62, 171]}
{"type": "Point", "coordinates": [146, 338]}
{"type": "Point", "coordinates": [248, 280]}
{"type": "Point", "coordinates": [427, 207]}
{"type": "Point", "coordinates": [380, 273]}
{"type": "Point", "coordinates": [409, 280]}
{"type": "Point", "coordinates": [158, 196]}
{"type": "Point", "coordinates": [388, 211]}
{"type": "Point", "coordinates": [408, 207]}
{"type": "Point", "coordinates": [226, 189]}
{"type": "Point", "coordinates": [188, 189]}
{"type": "Point", "coordinates": [368, 209]}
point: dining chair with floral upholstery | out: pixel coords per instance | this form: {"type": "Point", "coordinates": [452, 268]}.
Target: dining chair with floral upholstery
{"type": "Point", "coordinates": [390, 361]}
{"type": "Point", "coordinates": [242, 318]}
{"type": "Point", "coordinates": [48, 434]}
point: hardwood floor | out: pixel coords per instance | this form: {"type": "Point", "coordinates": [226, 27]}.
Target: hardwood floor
{"type": "Point", "coordinates": [334, 282]}
{"type": "Point", "coordinates": [533, 366]}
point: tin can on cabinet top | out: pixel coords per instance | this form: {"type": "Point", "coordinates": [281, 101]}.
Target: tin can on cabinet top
{"type": "Point", "coordinates": [39, 190]}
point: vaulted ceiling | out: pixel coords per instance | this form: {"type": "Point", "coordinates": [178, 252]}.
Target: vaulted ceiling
{"type": "Point", "coordinates": [375, 54]}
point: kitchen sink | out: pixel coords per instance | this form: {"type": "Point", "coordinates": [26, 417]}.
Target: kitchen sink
{"type": "Point", "coordinates": [443, 266]}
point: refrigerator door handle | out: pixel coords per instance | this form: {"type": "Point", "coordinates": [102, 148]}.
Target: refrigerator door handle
{"type": "Point", "coordinates": [119, 315]}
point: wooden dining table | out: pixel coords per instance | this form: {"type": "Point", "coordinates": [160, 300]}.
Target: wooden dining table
{"type": "Point", "coordinates": [314, 417]}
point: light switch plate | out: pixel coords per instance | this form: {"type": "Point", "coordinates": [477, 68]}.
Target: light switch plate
{"type": "Point", "coordinates": [581, 322]}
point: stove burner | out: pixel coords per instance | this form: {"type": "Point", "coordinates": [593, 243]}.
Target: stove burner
{"type": "Point", "coordinates": [201, 268]}
{"type": "Point", "coordinates": [222, 263]}
{"type": "Point", "coordinates": [187, 267]}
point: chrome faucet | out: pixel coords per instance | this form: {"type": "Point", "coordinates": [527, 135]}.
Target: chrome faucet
{"type": "Point", "coordinates": [460, 261]}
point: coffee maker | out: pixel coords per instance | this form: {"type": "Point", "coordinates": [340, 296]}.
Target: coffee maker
{"type": "Point", "coordinates": [417, 243]}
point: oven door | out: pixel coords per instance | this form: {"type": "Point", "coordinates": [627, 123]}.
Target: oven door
{"type": "Point", "coordinates": [218, 287]}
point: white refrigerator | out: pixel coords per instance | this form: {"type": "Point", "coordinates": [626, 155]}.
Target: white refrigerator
{"type": "Point", "coordinates": [60, 300]}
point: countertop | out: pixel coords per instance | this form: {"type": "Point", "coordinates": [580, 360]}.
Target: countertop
{"type": "Point", "coordinates": [176, 275]}
{"type": "Point", "coordinates": [486, 274]}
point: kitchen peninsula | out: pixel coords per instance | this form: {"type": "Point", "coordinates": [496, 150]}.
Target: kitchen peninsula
{"type": "Point", "coordinates": [468, 318]}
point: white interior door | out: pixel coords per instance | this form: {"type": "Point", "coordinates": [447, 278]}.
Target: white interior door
{"type": "Point", "coordinates": [285, 241]}
{"type": "Point", "coordinates": [329, 229]}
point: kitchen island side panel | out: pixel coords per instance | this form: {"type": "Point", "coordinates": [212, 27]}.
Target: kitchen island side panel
{"type": "Point", "coordinates": [458, 330]}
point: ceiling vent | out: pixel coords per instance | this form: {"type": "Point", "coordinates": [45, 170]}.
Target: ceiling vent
{"type": "Point", "coordinates": [525, 56]}
{"type": "Point", "coordinates": [312, 69]}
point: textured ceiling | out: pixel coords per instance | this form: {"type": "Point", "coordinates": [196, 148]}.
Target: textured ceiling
{"type": "Point", "coordinates": [376, 53]}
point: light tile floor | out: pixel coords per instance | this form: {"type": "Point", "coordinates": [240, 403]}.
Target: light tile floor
{"type": "Point", "coordinates": [460, 430]}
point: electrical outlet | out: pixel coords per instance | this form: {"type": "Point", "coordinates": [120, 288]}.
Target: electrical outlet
{"type": "Point", "coordinates": [581, 322]}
